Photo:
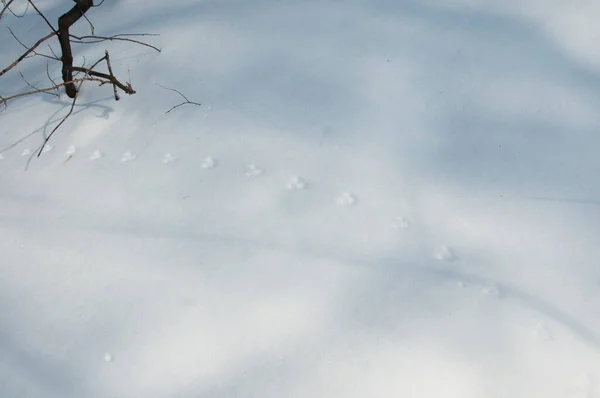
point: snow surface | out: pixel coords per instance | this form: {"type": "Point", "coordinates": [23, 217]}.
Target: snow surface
{"type": "Point", "coordinates": [377, 198]}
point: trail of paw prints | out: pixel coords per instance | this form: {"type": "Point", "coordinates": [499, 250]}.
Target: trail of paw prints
{"type": "Point", "coordinates": [297, 183]}
{"type": "Point", "coordinates": [254, 171]}
{"type": "Point", "coordinates": [128, 157]}
{"type": "Point", "coordinates": [346, 199]}
{"type": "Point", "coordinates": [208, 163]}
{"type": "Point", "coordinates": [168, 158]}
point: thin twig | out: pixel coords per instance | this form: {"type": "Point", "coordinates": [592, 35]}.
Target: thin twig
{"type": "Point", "coordinates": [61, 122]}
{"type": "Point", "coordinates": [187, 101]}
{"type": "Point", "coordinates": [92, 28]}
{"type": "Point", "coordinates": [121, 37]}
{"type": "Point", "coordinates": [43, 16]}
{"type": "Point", "coordinates": [4, 100]}
{"type": "Point", "coordinates": [5, 7]}
{"type": "Point", "coordinates": [111, 74]}
{"type": "Point", "coordinates": [34, 87]}
{"type": "Point", "coordinates": [48, 74]}
{"type": "Point", "coordinates": [29, 51]}
{"type": "Point", "coordinates": [27, 48]}
{"type": "Point", "coordinates": [53, 53]}
{"type": "Point", "coordinates": [108, 79]}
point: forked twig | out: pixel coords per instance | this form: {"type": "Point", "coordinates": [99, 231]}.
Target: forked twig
{"type": "Point", "coordinates": [187, 101]}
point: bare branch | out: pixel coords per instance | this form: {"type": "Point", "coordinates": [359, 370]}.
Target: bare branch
{"type": "Point", "coordinates": [43, 16]}
{"type": "Point", "coordinates": [27, 48]}
{"type": "Point", "coordinates": [22, 57]}
{"type": "Point", "coordinates": [4, 100]}
{"type": "Point", "coordinates": [64, 23]}
{"type": "Point", "coordinates": [111, 74]}
{"type": "Point", "coordinates": [34, 87]}
{"type": "Point", "coordinates": [92, 27]}
{"type": "Point", "coordinates": [120, 37]}
{"type": "Point", "coordinates": [48, 74]}
{"type": "Point", "coordinates": [53, 53]}
{"type": "Point", "coordinates": [5, 7]}
{"type": "Point", "coordinates": [187, 101]}
{"type": "Point", "coordinates": [59, 124]}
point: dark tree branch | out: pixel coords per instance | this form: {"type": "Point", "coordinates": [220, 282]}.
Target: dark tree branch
{"type": "Point", "coordinates": [64, 23]}
{"type": "Point", "coordinates": [5, 7]}
{"type": "Point", "coordinates": [111, 74]}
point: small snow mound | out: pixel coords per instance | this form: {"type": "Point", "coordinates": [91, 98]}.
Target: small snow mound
{"type": "Point", "coordinates": [346, 199]}
{"type": "Point", "coordinates": [127, 157]}
{"type": "Point", "coordinates": [541, 332]}
{"type": "Point", "coordinates": [108, 358]}
{"type": "Point", "coordinates": [47, 148]}
{"type": "Point", "coordinates": [401, 223]}
{"type": "Point", "coordinates": [70, 150]}
{"type": "Point", "coordinates": [208, 163]}
{"type": "Point", "coordinates": [26, 152]}
{"type": "Point", "coordinates": [254, 171]}
{"type": "Point", "coordinates": [298, 183]}
{"type": "Point", "coordinates": [1, 156]}
{"type": "Point", "coordinates": [491, 290]}
{"type": "Point", "coordinates": [444, 253]}
{"type": "Point", "coordinates": [96, 155]}
{"type": "Point", "coordinates": [168, 158]}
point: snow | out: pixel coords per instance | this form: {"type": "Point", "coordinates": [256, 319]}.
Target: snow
{"type": "Point", "coordinates": [376, 198]}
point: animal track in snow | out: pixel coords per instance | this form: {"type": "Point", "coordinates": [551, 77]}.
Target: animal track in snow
{"type": "Point", "coordinates": [254, 171]}
{"type": "Point", "coordinates": [168, 158]}
{"type": "Point", "coordinates": [491, 290]}
{"type": "Point", "coordinates": [127, 156]}
{"type": "Point", "coordinates": [444, 253]}
{"type": "Point", "coordinates": [401, 223]}
{"type": "Point", "coordinates": [586, 387]}
{"type": "Point", "coordinates": [70, 150]}
{"type": "Point", "coordinates": [96, 155]}
{"type": "Point", "coordinates": [26, 152]}
{"type": "Point", "coordinates": [298, 183]}
{"type": "Point", "coordinates": [541, 332]}
{"type": "Point", "coordinates": [208, 163]}
{"type": "Point", "coordinates": [346, 199]}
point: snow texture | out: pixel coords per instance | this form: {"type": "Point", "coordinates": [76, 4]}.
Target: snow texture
{"type": "Point", "coordinates": [383, 199]}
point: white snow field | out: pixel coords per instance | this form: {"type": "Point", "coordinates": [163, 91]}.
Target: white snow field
{"type": "Point", "coordinates": [376, 198]}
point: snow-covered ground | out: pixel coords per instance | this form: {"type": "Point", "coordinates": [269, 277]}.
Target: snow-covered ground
{"type": "Point", "coordinates": [377, 198]}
